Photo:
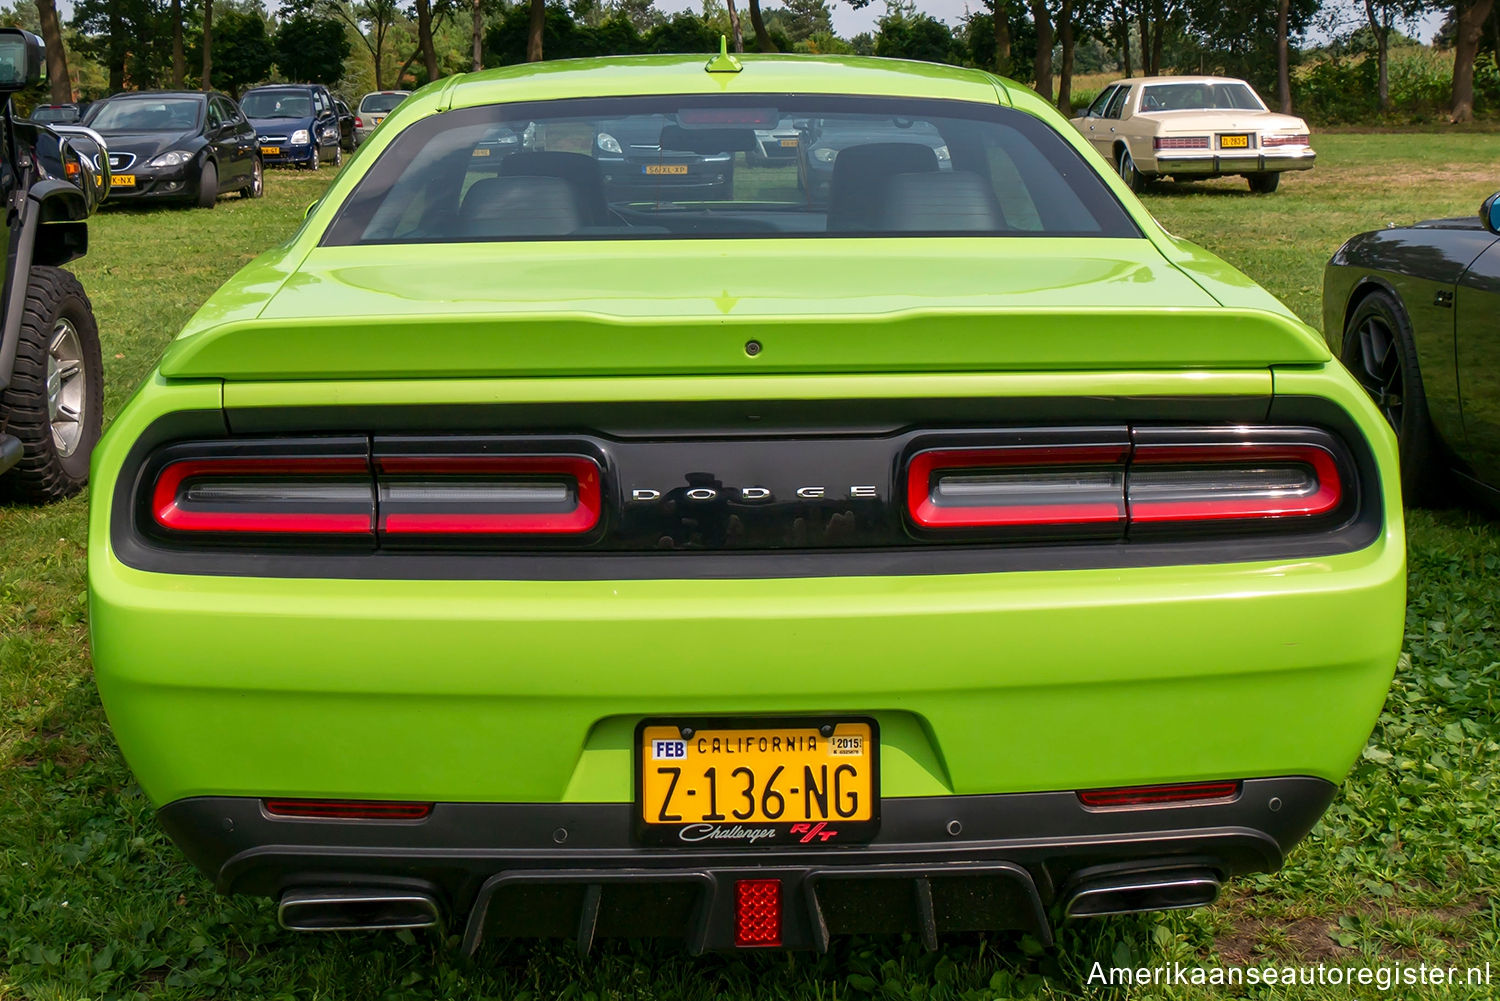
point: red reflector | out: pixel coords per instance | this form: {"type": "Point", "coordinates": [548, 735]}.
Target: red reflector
{"type": "Point", "coordinates": [1191, 792]}
{"type": "Point", "coordinates": [757, 912]}
{"type": "Point", "coordinates": [496, 495]}
{"type": "Point", "coordinates": [1024, 486]}
{"type": "Point", "coordinates": [1214, 482]}
{"type": "Point", "coordinates": [323, 495]}
{"type": "Point", "coordinates": [346, 809]}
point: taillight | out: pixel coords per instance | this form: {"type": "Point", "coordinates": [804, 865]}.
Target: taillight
{"type": "Point", "coordinates": [359, 122]}
{"type": "Point", "coordinates": [1301, 139]}
{"type": "Point", "coordinates": [298, 495]}
{"type": "Point", "coordinates": [488, 495]}
{"type": "Point", "coordinates": [1178, 483]}
{"type": "Point", "coordinates": [346, 809]}
{"type": "Point", "coordinates": [1238, 480]}
{"type": "Point", "coordinates": [1180, 142]}
{"type": "Point", "coordinates": [1179, 794]}
{"type": "Point", "coordinates": [1017, 486]}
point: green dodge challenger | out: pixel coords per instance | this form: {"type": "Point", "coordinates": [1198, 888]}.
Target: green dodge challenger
{"type": "Point", "coordinates": [579, 529]}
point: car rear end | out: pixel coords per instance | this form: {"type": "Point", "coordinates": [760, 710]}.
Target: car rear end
{"type": "Point", "coordinates": [854, 585]}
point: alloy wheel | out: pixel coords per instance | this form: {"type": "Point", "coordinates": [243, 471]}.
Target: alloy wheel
{"type": "Point", "coordinates": [66, 383]}
{"type": "Point", "coordinates": [1378, 367]}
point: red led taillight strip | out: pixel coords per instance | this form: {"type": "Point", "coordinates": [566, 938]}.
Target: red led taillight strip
{"type": "Point", "coordinates": [346, 809]}
{"type": "Point", "coordinates": [1161, 795]}
{"type": "Point", "coordinates": [578, 475]}
{"type": "Point", "coordinates": [168, 500]}
{"type": "Point", "coordinates": [1319, 497]}
{"type": "Point", "coordinates": [1102, 506]}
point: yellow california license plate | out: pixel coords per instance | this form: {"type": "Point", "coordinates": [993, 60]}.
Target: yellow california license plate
{"type": "Point", "coordinates": [270, 150]}
{"type": "Point", "coordinates": [665, 168]}
{"type": "Point", "coordinates": [789, 142]}
{"type": "Point", "coordinates": [122, 180]}
{"type": "Point", "coordinates": [1234, 142]}
{"type": "Point", "coordinates": [731, 783]}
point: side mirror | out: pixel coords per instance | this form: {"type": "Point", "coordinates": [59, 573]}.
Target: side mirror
{"type": "Point", "coordinates": [1489, 213]}
{"type": "Point", "coordinates": [21, 60]}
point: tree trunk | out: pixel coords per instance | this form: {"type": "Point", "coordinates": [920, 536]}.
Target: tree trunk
{"type": "Point", "coordinates": [1158, 34]}
{"type": "Point", "coordinates": [424, 39]}
{"type": "Point", "coordinates": [179, 62]}
{"type": "Point", "coordinates": [534, 31]}
{"type": "Point", "coordinates": [1002, 37]}
{"type": "Point", "coordinates": [737, 35]}
{"type": "Point", "coordinates": [478, 35]}
{"type": "Point", "coordinates": [1065, 77]}
{"type": "Point", "coordinates": [1143, 19]}
{"type": "Point", "coordinates": [1283, 57]}
{"type": "Point", "coordinates": [1042, 67]}
{"type": "Point", "coordinates": [762, 37]}
{"type": "Point", "coordinates": [1124, 33]}
{"type": "Point", "coordinates": [1382, 33]}
{"type": "Point", "coordinates": [208, 45]}
{"type": "Point", "coordinates": [58, 81]}
{"type": "Point", "coordinates": [1466, 46]}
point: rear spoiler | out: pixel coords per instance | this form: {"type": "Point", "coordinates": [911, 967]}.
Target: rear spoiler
{"type": "Point", "coordinates": [472, 345]}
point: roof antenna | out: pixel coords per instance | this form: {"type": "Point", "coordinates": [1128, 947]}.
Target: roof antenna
{"type": "Point", "coordinates": [723, 62]}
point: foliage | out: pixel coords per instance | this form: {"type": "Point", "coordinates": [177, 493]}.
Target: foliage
{"type": "Point", "coordinates": [311, 49]}
{"type": "Point", "coordinates": [565, 38]}
{"type": "Point", "coordinates": [907, 34]}
{"type": "Point", "coordinates": [1337, 90]}
{"type": "Point", "coordinates": [242, 51]}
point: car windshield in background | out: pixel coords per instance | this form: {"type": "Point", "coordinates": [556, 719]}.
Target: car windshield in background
{"type": "Point", "coordinates": [277, 104]}
{"type": "Point", "coordinates": [673, 167]}
{"type": "Point", "coordinates": [1200, 97]}
{"type": "Point", "coordinates": [379, 104]}
{"type": "Point", "coordinates": [139, 114]}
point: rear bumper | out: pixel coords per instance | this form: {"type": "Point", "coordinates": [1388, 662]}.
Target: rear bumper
{"type": "Point", "coordinates": [940, 864]}
{"type": "Point", "coordinates": [1216, 164]}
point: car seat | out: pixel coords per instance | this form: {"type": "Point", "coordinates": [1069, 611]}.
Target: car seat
{"type": "Point", "coordinates": [860, 173]}
{"type": "Point", "coordinates": [500, 207]}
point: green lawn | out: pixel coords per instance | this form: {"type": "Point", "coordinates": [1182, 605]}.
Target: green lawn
{"type": "Point", "coordinates": [94, 902]}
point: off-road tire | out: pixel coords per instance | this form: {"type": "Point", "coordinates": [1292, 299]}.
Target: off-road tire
{"type": "Point", "coordinates": [208, 186]}
{"type": "Point", "coordinates": [1263, 184]}
{"type": "Point", "coordinates": [43, 474]}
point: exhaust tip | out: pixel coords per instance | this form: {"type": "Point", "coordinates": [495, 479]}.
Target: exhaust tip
{"type": "Point", "coordinates": [355, 910]}
{"type": "Point", "coordinates": [1132, 893]}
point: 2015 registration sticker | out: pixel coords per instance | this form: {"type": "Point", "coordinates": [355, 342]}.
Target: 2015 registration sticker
{"type": "Point", "coordinates": [757, 781]}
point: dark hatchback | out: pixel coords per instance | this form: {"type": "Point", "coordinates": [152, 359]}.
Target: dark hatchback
{"type": "Point", "coordinates": [646, 158]}
{"type": "Point", "coordinates": [295, 124]}
{"type": "Point", "coordinates": [177, 146]}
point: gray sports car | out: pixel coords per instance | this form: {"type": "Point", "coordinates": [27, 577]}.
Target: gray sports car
{"type": "Point", "coordinates": [1414, 312]}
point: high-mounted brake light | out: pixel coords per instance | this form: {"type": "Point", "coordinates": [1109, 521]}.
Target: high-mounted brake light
{"type": "Point", "coordinates": [346, 809]}
{"type": "Point", "coordinates": [1017, 487]}
{"type": "Point", "coordinates": [488, 495]}
{"type": "Point", "coordinates": [1160, 795]}
{"type": "Point", "coordinates": [324, 495]}
{"type": "Point", "coordinates": [1242, 480]}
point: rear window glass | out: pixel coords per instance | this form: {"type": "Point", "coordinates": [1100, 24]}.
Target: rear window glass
{"type": "Point", "coordinates": [277, 104]}
{"type": "Point", "coordinates": [1200, 97]}
{"type": "Point", "coordinates": [757, 166]}
{"type": "Point", "coordinates": [379, 104]}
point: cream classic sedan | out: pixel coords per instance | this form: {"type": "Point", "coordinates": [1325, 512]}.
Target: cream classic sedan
{"type": "Point", "coordinates": [1193, 128]}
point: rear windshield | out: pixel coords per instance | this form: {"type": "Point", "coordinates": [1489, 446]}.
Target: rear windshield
{"type": "Point", "coordinates": [277, 104]}
{"type": "Point", "coordinates": [146, 114]}
{"type": "Point", "coordinates": [379, 104]}
{"type": "Point", "coordinates": [1200, 97]}
{"type": "Point", "coordinates": [55, 114]}
{"type": "Point", "coordinates": [758, 166]}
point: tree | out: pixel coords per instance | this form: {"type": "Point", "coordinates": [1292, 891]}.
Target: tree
{"type": "Point", "coordinates": [1382, 19]}
{"type": "Point", "coordinates": [208, 43]}
{"type": "Point", "coordinates": [801, 19]}
{"type": "Point", "coordinates": [906, 34]}
{"type": "Point", "coordinates": [763, 41]}
{"type": "Point", "coordinates": [57, 57]}
{"type": "Point", "coordinates": [1469, 17]}
{"type": "Point", "coordinates": [1066, 41]}
{"type": "Point", "coordinates": [1283, 57]}
{"type": "Point", "coordinates": [381, 16]}
{"type": "Point", "coordinates": [737, 35]}
{"type": "Point", "coordinates": [242, 51]}
{"type": "Point", "coordinates": [424, 38]}
{"type": "Point", "coordinates": [311, 48]}
{"type": "Point", "coordinates": [1042, 65]}
{"type": "Point", "coordinates": [477, 40]}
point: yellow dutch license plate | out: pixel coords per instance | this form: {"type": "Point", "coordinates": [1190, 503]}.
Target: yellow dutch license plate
{"type": "Point", "coordinates": [122, 180]}
{"type": "Point", "coordinates": [271, 150]}
{"type": "Point", "coordinates": [1234, 142]}
{"type": "Point", "coordinates": [665, 168]}
{"type": "Point", "coordinates": [790, 143]}
{"type": "Point", "coordinates": [732, 783]}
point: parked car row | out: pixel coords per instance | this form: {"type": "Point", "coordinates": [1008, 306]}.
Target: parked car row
{"type": "Point", "coordinates": [194, 146]}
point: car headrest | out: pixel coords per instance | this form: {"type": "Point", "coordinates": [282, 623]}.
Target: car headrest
{"type": "Point", "coordinates": [950, 201]}
{"type": "Point", "coordinates": [578, 169]}
{"type": "Point", "coordinates": [499, 207]}
{"type": "Point", "coordinates": [859, 175]}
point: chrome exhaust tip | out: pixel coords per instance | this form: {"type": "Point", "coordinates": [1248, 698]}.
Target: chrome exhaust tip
{"type": "Point", "coordinates": [355, 910]}
{"type": "Point", "coordinates": [1132, 893]}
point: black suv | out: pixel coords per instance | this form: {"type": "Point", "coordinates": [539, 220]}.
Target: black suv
{"type": "Point", "coordinates": [295, 123]}
{"type": "Point", "coordinates": [51, 375]}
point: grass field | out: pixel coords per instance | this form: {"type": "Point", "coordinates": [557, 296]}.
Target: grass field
{"type": "Point", "coordinates": [96, 903]}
